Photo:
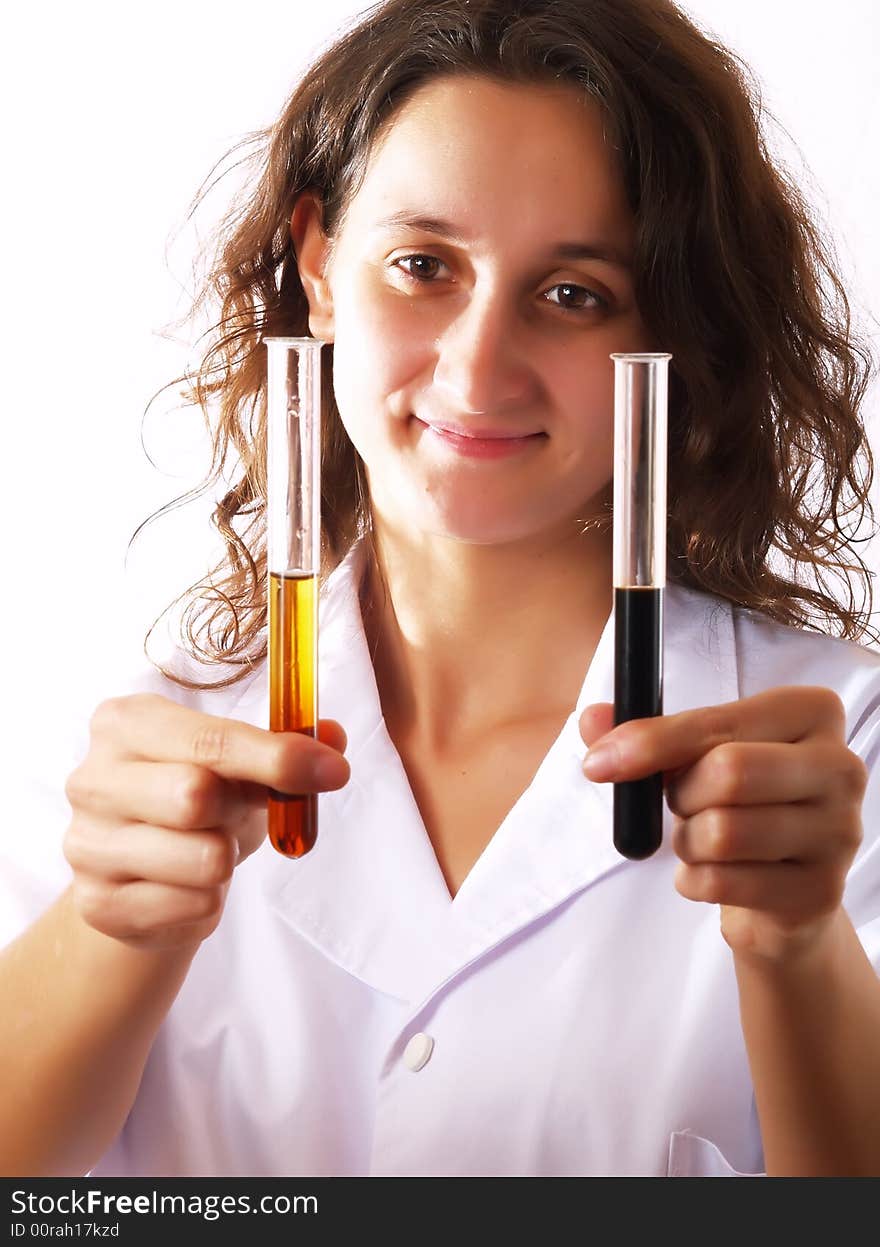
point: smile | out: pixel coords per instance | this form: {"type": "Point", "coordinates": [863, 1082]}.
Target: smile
{"type": "Point", "coordinates": [492, 447]}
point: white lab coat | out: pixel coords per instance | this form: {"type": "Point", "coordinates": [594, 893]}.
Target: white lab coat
{"type": "Point", "coordinates": [567, 1013]}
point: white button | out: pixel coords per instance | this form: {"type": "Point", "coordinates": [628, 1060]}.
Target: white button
{"type": "Point", "coordinates": [418, 1051]}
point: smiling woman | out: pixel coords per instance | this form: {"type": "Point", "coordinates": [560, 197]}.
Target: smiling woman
{"type": "Point", "coordinates": [655, 193]}
{"type": "Point", "coordinates": [474, 203]}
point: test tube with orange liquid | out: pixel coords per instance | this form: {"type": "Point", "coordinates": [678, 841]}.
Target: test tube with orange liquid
{"type": "Point", "coordinates": [293, 550]}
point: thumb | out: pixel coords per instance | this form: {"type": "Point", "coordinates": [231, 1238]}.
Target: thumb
{"type": "Point", "coordinates": [595, 721]}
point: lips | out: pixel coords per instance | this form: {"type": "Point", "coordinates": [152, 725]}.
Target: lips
{"type": "Point", "coordinates": [479, 443]}
{"type": "Point", "coordinates": [479, 434]}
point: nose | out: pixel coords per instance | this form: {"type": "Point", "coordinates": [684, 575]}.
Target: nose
{"type": "Point", "coordinates": [482, 366]}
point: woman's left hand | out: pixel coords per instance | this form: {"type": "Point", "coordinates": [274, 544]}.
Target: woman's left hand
{"type": "Point", "coordinates": [767, 801]}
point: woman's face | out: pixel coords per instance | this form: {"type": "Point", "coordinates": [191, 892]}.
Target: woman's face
{"type": "Point", "coordinates": [479, 283]}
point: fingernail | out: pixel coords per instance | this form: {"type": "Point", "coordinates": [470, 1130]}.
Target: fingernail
{"type": "Point", "coordinates": [602, 762]}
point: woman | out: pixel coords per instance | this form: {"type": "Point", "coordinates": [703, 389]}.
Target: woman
{"type": "Point", "coordinates": [475, 204]}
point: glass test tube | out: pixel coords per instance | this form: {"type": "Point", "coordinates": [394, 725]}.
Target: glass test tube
{"type": "Point", "coordinates": [640, 420]}
{"type": "Point", "coordinates": [293, 549]}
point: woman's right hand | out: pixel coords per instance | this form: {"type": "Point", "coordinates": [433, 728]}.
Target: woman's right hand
{"type": "Point", "coordinates": [165, 805]}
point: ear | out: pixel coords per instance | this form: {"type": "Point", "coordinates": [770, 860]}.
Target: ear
{"type": "Point", "coordinates": [312, 250]}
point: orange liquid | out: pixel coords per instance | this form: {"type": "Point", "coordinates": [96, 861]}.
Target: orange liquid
{"type": "Point", "coordinates": [293, 700]}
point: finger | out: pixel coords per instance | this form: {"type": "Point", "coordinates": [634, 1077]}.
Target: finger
{"type": "Point", "coordinates": [252, 826]}
{"type": "Point", "coordinates": [149, 727]}
{"type": "Point", "coordinates": [332, 734]}
{"type": "Point", "coordinates": [171, 794]}
{"type": "Point", "coordinates": [792, 893]}
{"type": "Point", "coordinates": [645, 746]}
{"type": "Point", "coordinates": [198, 859]}
{"type": "Point", "coordinates": [595, 721]}
{"type": "Point", "coordinates": [771, 833]}
{"type": "Point", "coordinates": [165, 938]}
{"type": "Point", "coordinates": [127, 910]}
{"type": "Point", "coordinates": [759, 774]}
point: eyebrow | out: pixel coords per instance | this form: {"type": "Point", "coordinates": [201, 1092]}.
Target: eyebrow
{"type": "Point", "coordinates": [562, 250]}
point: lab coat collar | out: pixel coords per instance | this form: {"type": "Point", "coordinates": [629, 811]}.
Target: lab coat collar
{"type": "Point", "coordinates": [371, 895]}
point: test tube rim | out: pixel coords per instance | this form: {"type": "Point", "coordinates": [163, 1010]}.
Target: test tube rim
{"type": "Point", "coordinates": [298, 342]}
{"type": "Point", "coordinates": [641, 357]}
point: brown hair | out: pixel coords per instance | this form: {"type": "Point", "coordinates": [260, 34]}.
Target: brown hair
{"type": "Point", "coordinates": [768, 458]}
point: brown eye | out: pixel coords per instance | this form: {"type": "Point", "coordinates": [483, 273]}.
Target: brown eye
{"type": "Point", "coordinates": [576, 298]}
{"type": "Point", "coordinates": [425, 266]}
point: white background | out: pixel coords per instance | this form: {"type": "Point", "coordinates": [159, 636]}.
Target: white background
{"type": "Point", "coordinates": [113, 115]}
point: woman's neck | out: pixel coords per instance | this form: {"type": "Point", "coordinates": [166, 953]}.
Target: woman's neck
{"type": "Point", "coordinates": [471, 638]}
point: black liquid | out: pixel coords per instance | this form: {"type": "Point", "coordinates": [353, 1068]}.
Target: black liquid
{"type": "Point", "coordinates": [638, 694]}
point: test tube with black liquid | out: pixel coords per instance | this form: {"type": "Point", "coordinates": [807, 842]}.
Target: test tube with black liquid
{"type": "Point", "coordinates": [293, 556]}
{"type": "Point", "coordinates": [640, 421]}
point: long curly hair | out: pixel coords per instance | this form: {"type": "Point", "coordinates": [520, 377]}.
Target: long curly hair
{"type": "Point", "coordinates": [769, 463]}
